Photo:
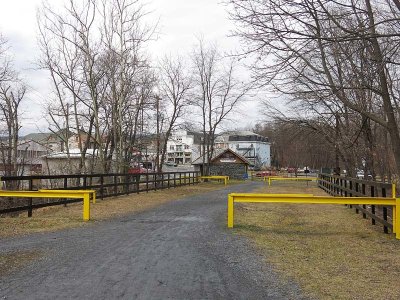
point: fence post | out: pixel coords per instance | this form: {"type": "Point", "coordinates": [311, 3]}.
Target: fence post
{"type": "Point", "coordinates": [115, 185]}
{"type": "Point", "coordinates": [138, 184]}
{"type": "Point", "coordinates": [168, 181]}
{"type": "Point", "coordinates": [364, 206]}
{"type": "Point", "coordinates": [373, 206]}
{"type": "Point", "coordinates": [102, 186]}
{"type": "Point", "coordinates": [357, 190]}
{"type": "Point", "coordinates": [338, 187]}
{"type": "Point", "coordinates": [127, 177]}
{"type": "Point", "coordinates": [351, 189]}
{"type": "Point", "coordinates": [65, 187]}
{"type": "Point", "coordinates": [30, 200]}
{"type": "Point", "coordinates": [147, 182]}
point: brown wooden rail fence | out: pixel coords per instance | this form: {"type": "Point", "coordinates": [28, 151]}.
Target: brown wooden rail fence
{"type": "Point", "coordinates": [352, 187]}
{"type": "Point", "coordinates": [106, 185]}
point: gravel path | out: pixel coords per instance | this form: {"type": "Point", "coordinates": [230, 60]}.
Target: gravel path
{"type": "Point", "coordinates": [181, 250]}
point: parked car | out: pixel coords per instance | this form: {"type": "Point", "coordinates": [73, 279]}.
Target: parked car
{"type": "Point", "coordinates": [138, 170]}
{"type": "Point", "coordinates": [266, 173]}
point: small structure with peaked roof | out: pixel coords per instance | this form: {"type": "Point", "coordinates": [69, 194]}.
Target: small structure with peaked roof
{"type": "Point", "coordinates": [254, 147]}
{"type": "Point", "coordinates": [225, 162]}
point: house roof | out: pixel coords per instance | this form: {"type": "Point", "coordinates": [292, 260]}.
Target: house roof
{"type": "Point", "coordinates": [73, 153]}
{"type": "Point", "coordinates": [219, 153]}
{"type": "Point", "coordinates": [241, 136]}
{"type": "Point", "coordinates": [37, 137]}
{"type": "Point", "coordinates": [242, 158]}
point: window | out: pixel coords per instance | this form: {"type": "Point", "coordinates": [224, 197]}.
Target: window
{"type": "Point", "coordinates": [172, 147]}
{"type": "Point", "coordinates": [178, 147]}
{"type": "Point", "coordinates": [186, 146]}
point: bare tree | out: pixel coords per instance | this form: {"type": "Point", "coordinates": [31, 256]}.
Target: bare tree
{"type": "Point", "coordinates": [340, 54]}
{"type": "Point", "coordinates": [69, 52]}
{"type": "Point", "coordinates": [94, 52]}
{"type": "Point", "coordinates": [127, 71]}
{"type": "Point", "coordinates": [175, 86]}
{"type": "Point", "coordinates": [12, 92]}
{"type": "Point", "coordinates": [217, 94]}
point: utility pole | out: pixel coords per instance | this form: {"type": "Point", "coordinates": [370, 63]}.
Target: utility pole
{"type": "Point", "coordinates": [158, 134]}
{"type": "Point", "coordinates": [337, 134]}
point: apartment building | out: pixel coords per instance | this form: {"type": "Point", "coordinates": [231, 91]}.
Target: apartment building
{"type": "Point", "coordinates": [183, 146]}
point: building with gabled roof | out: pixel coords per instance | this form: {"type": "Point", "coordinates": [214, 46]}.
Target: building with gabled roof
{"type": "Point", "coordinates": [254, 147]}
{"type": "Point", "coordinates": [225, 162]}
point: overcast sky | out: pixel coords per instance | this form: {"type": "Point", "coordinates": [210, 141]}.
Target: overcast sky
{"type": "Point", "coordinates": [180, 21]}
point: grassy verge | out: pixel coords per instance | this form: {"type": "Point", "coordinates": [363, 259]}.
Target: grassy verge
{"type": "Point", "coordinates": [331, 252]}
{"type": "Point", "coordinates": [59, 217]}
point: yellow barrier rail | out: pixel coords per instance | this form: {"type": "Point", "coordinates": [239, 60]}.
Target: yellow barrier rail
{"type": "Point", "coordinates": [92, 193]}
{"type": "Point", "coordinates": [72, 194]}
{"type": "Point", "coordinates": [265, 178]}
{"type": "Point", "coordinates": [270, 179]}
{"type": "Point", "coordinates": [309, 199]}
{"type": "Point", "coordinates": [217, 177]}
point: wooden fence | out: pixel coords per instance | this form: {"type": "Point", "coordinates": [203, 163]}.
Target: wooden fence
{"type": "Point", "coordinates": [105, 185]}
{"type": "Point", "coordinates": [351, 187]}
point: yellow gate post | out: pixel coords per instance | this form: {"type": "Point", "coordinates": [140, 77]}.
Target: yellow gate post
{"type": "Point", "coordinates": [394, 209]}
{"type": "Point", "coordinates": [86, 207]}
{"type": "Point", "coordinates": [230, 211]}
{"type": "Point", "coordinates": [396, 221]}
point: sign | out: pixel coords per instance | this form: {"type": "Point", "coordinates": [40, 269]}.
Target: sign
{"type": "Point", "coordinates": [228, 160]}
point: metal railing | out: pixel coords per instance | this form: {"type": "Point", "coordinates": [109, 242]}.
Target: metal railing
{"type": "Point", "coordinates": [310, 199]}
{"type": "Point", "coordinates": [77, 195]}
{"type": "Point", "coordinates": [105, 185]}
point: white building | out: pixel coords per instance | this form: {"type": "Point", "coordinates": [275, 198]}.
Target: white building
{"type": "Point", "coordinates": [254, 147]}
{"type": "Point", "coordinates": [183, 146]}
{"type": "Point", "coordinates": [58, 163]}
{"type": "Point", "coordinates": [28, 159]}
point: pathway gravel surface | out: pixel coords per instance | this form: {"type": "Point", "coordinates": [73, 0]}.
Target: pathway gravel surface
{"type": "Point", "coordinates": [180, 250]}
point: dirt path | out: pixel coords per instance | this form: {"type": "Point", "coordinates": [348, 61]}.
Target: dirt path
{"type": "Point", "coordinates": [181, 250]}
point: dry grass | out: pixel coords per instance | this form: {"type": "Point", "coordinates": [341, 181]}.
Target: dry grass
{"type": "Point", "coordinates": [59, 217]}
{"type": "Point", "coordinates": [331, 252]}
